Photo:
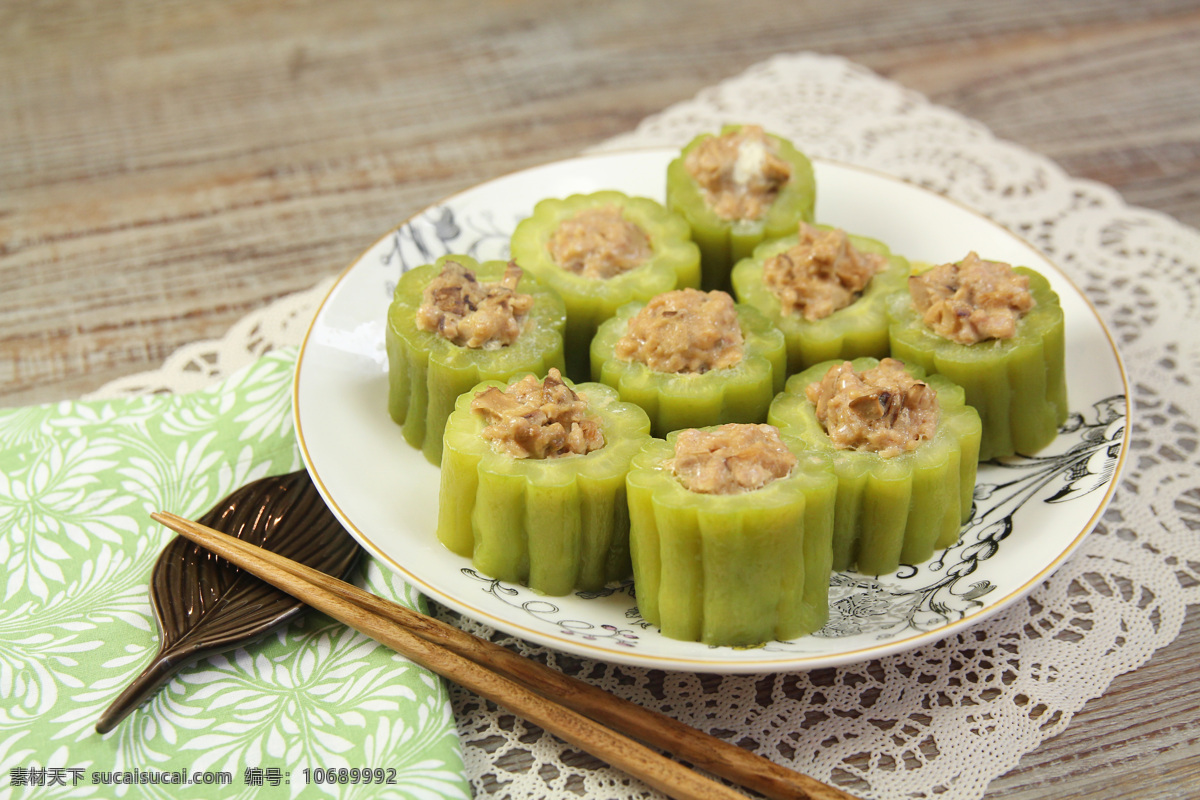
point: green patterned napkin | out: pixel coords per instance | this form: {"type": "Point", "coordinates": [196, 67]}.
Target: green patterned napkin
{"type": "Point", "coordinates": [312, 710]}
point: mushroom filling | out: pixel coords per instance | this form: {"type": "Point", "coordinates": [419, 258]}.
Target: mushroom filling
{"type": "Point", "coordinates": [882, 410]}
{"type": "Point", "coordinates": [684, 331]}
{"type": "Point", "coordinates": [820, 274]}
{"type": "Point", "coordinates": [471, 314]}
{"type": "Point", "coordinates": [971, 301]}
{"type": "Point", "coordinates": [730, 459]}
{"type": "Point", "coordinates": [739, 172]}
{"type": "Point", "coordinates": [599, 242]}
{"type": "Point", "coordinates": [538, 419]}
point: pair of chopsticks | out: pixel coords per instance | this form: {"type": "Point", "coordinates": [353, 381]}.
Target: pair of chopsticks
{"type": "Point", "coordinates": [575, 711]}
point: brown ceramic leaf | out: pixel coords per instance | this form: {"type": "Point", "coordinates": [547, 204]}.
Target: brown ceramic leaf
{"type": "Point", "coordinates": [204, 604]}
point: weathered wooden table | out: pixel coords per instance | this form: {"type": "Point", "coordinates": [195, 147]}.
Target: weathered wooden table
{"type": "Point", "coordinates": [167, 167]}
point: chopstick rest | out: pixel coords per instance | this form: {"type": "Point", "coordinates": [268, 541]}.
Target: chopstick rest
{"type": "Point", "coordinates": [204, 606]}
{"type": "Point", "coordinates": [568, 708]}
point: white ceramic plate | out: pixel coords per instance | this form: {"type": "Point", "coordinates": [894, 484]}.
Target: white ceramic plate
{"type": "Point", "coordinates": [1030, 513]}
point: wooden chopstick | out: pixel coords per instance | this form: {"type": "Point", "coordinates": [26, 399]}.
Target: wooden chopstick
{"type": "Point", "coordinates": [569, 708]}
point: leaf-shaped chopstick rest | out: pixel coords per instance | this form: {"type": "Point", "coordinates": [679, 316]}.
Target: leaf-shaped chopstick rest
{"type": "Point", "coordinates": [204, 604]}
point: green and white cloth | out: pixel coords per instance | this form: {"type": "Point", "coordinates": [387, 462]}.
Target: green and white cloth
{"type": "Point", "coordinates": [78, 481]}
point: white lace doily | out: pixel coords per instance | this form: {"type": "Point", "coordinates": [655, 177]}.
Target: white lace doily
{"type": "Point", "coordinates": [946, 719]}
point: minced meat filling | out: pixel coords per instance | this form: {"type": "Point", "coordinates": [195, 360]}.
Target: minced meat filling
{"type": "Point", "coordinates": [882, 410]}
{"type": "Point", "coordinates": [730, 459]}
{"type": "Point", "coordinates": [971, 301]}
{"type": "Point", "coordinates": [599, 242]}
{"type": "Point", "coordinates": [473, 314]}
{"type": "Point", "coordinates": [538, 419]}
{"type": "Point", "coordinates": [820, 274]}
{"type": "Point", "coordinates": [739, 172]}
{"type": "Point", "coordinates": [685, 330]}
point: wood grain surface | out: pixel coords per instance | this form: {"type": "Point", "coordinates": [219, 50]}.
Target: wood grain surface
{"type": "Point", "coordinates": [168, 166]}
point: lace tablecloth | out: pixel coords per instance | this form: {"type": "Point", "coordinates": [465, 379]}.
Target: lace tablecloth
{"type": "Point", "coordinates": [944, 719]}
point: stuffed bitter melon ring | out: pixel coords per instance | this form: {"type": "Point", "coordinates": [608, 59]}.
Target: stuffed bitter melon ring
{"type": "Point", "coordinates": [898, 509]}
{"type": "Point", "coordinates": [599, 264]}
{"type": "Point", "coordinates": [852, 331]}
{"type": "Point", "coordinates": [427, 371]}
{"type": "Point", "coordinates": [724, 239]}
{"type": "Point", "coordinates": [555, 524]}
{"type": "Point", "coordinates": [731, 569]}
{"type": "Point", "coordinates": [739, 392]}
{"type": "Point", "coordinates": [1017, 384]}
